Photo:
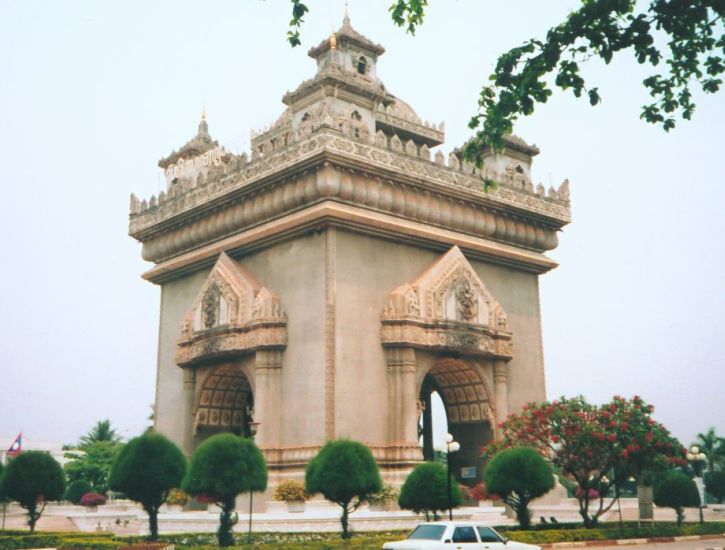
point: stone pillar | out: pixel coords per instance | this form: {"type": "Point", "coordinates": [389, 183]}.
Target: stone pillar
{"type": "Point", "coordinates": [267, 396]}
{"type": "Point", "coordinates": [187, 410]}
{"type": "Point", "coordinates": [402, 396]}
{"type": "Point", "coordinates": [500, 389]}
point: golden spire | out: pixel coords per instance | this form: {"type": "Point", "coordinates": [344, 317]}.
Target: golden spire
{"type": "Point", "coordinates": [333, 41]}
{"type": "Point", "coordinates": [203, 112]}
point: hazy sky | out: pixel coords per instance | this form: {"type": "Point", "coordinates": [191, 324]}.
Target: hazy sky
{"type": "Point", "coordinates": [92, 94]}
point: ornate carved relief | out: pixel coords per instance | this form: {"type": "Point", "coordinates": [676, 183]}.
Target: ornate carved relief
{"type": "Point", "coordinates": [448, 307]}
{"type": "Point", "coordinates": [232, 314]}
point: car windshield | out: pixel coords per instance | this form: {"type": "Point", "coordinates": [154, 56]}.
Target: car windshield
{"type": "Point", "coordinates": [427, 532]}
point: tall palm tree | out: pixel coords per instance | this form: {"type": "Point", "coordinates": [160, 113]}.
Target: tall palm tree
{"type": "Point", "coordinates": [102, 431]}
{"type": "Point", "coordinates": [713, 447]}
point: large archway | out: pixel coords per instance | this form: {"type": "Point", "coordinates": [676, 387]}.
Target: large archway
{"type": "Point", "coordinates": [463, 390]}
{"type": "Point", "coordinates": [225, 403]}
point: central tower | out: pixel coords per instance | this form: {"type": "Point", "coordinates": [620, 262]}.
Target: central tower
{"type": "Point", "coordinates": [326, 284]}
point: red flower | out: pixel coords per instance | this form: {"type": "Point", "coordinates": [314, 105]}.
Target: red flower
{"type": "Point", "coordinates": [612, 438]}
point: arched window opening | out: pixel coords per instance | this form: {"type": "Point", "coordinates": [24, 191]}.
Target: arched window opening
{"type": "Point", "coordinates": [362, 65]}
{"type": "Point", "coordinates": [355, 115]}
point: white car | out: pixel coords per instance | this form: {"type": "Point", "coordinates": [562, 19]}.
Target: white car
{"type": "Point", "coordinates": [456, 535]}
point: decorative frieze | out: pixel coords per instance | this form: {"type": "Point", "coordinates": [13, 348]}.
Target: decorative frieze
{"type": "Point", "coordinates": [236, 174]}
{"type": "Point", "coordinates": [231, 315]}
{"type": "Point", "coordinates": [447, 308]}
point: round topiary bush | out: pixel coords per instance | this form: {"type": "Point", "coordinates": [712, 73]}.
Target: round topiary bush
{"type": "Point", "coordinates": [222, 467]}
{"type": "Point", "coordinates": [677, 491]}
{"type": "Point", "coordinates": [345, 473]}
{"type": "Point", "coordinates": [519, 475]}
{"type": "Point", "coordinates": [145, 470]}
{"type": "Point", "coordinates": [32, 479]}
{"type": "Point", "coordinates": [76, 489]}
{"type": "Point", "coordinates": [426, 490]}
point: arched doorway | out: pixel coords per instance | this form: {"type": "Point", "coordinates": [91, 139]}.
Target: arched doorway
{"type": "Point", "coordinates": [225, 403]}
{"type": "Point", "coordinates": [462, 389]}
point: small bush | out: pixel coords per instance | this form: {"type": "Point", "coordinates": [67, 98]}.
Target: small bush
{"type": "Point", "coordinates": [387, 494]}
{"type": "Point", "coordinates": [715, 484]}
{"type": "Point", "coordinates": [345, 473]}
{"type": "Point", "coordinates": [76, 489]}
{"type": "Point", "coordinates": [519, 475]}
{"type": "Point", "coordinates": [426, 490]}
{"type": "Point", "coordinates": [178, 497]}
{"type": "Point", "coordinates": [31, 479]}
{"type": "Point", "coordinates": [93, 499]}
{"type": "Point", "coordinates": [290, 490]}
{"type": "Point", "coordinates": [675, 490]}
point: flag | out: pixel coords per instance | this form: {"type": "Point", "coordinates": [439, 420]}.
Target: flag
{"type": "Point", "coordinates": [17, 445]}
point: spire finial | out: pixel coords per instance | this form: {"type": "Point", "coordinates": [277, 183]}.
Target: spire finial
{"type": "Point", "coordinates": [346, 19]}
{"type": "Point", "coordinates": [203, 126]}
{"type": "Point", "coordinates": [333, 41]}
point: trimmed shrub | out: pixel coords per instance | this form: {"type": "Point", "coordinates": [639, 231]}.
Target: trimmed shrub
{"type": "Point", "coordinates": [426, 490]}
{"type": "Point", "coordinates": [675, 490]}
{"type": "Point", "coordinates": [519, 475]}
{"type": "Point", "coordinates": [222, 467]}
{"type": "Point", "coordinates": [32, 479]}
{"type": "Point", "coordinates": [345, 473]}
{"type": "Point", "coordinates": [76, 489]}
{"type": "Point", "coordinates": [715, 485]}
{"type": "Point", "coordinates": [145, 470]}
{"type": "Point", "coordinates": [291, 490]}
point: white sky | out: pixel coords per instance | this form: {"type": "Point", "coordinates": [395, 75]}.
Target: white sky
{"type": "Point", "coordinates": [94, 93]}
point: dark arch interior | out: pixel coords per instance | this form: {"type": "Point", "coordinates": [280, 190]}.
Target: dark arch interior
{"type": "Point", "coordinates": [225, 404]}
{"type": "Point", "coordinates": [465, 401]}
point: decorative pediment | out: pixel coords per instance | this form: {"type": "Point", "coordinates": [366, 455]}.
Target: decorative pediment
{"type": "Point", "coordinates": [448, 306]}
{"type": "Point", "coordinates": [232, 314]}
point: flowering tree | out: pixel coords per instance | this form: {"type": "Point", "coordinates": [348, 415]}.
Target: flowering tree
{"type": "Point", "coordinates": [588, 443]}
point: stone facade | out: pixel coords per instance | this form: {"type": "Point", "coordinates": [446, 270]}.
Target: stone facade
{"type": "Point", "coordinates": [313, 289]}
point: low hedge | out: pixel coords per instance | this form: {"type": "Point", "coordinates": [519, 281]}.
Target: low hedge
{"type": "Point", "coordinates": [569, 532]}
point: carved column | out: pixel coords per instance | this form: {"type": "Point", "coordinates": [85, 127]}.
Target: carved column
{"type": "Point", "coordinates": [500, 382]}
{"type": "Point", "coordinates": [268, 396]}
{"type": "Point", "coordinates": [187, 411]}
{"type": "Point", "coordinates": [402, 397]}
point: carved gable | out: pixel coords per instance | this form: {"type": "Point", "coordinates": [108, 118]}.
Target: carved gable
{"type": "Point", "coordinates": [232, 314]}
{"type": "Point", "coordinates": [447, 306]}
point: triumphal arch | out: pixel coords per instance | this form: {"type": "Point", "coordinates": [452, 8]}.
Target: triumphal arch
{"type": "Point", "coordinates": [326, 284]}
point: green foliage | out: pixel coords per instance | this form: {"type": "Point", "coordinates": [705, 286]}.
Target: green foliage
{"type": "Point", "coordinates": [519, 475]}
{"type": "Point", "coordinates": [345, 473]}
{"type": "Point", "coordinates": [426, 490]}
{"type": "Point", "coordinates": [32, 479]}
{"type": "Point", "coordinates": [76, 489]}
{"type": "Point", "coordinates": [715, 484]}
{"type": "Point", "coordinates": [587, 443]}
{"type": "Point", "coordinates": [93, 463]}
{"type": "Point", "coordinates": [713, 447]}
{"type": "Point", "coordinates": [676, 490]}
{"type": "Point", "coordinates": [101, 432]}
{"type": "Point", "coordinates": [145, 470]}
{"type": "Point", "coordinates": [222, 467]}
{"type": "Point", "coordinates": [290, 490]}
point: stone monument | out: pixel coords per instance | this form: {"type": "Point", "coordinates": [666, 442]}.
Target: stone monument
{"type": "Point", "coordinates": [326, 284]}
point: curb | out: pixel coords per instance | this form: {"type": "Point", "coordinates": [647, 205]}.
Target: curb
{"type": "Point", "coordinates": [632, 542]}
